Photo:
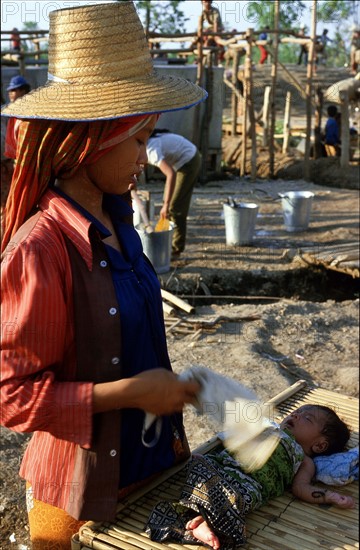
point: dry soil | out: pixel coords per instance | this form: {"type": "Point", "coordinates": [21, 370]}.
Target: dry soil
{"type": "Point", "coordinates": [304, 320]}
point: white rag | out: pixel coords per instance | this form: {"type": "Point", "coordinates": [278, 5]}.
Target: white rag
{"type": "Point", "coordinates": [235, 410]}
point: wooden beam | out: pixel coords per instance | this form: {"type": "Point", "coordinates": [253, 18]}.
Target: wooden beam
{"type": "Point", "coordinates": [176, 301]}
{"type": "Point", "coordinates": [309, 77]}
{"type": "Point", "coordinates": [345, 129]}
{"type": "Point", "coordinates": [265, 118]}
{"type": "Point", "coordinates": [273, 91]}
{"type": "Point", "coordinates": [287, 122]}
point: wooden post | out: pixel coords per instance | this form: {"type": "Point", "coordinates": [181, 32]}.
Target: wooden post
{"type": "Point", "coordinates": [319, 100]}
{"type": "Point", "coordinates": [199, 82]}
{"type": "Point", "coordinates": [206, 119]}
{"type": "Point", "coordinates": [287, 123]}
{"type": "Point", "coordinates": [273, 90]}
{"type": "Point", "coordinates": [234, 98]}
{"type": "Point", "coordinates": [345, 129]}
{"type": "Point", "coordinates": [309, 77]}
{"type": "Point", "coordinates": [265, 117]}
{"type": "Point", "coordinates": [248, 70]}
{"type": "Point", "coordinates": [22, 64]}
{"type": "Point", "coordinates": [245, 113]}
{"type": "Point", "coordinates": [37, 50]}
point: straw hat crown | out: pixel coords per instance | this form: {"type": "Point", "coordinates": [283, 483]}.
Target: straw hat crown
{"type": "Point", "coordinates": [100, 67]}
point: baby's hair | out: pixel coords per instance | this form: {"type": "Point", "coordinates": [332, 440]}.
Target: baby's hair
{"type": "Point", "coordinates": [335, 430]}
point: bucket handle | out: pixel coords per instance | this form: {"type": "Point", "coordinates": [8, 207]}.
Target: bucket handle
{"type": "Point", "coordinates": [282, 196]}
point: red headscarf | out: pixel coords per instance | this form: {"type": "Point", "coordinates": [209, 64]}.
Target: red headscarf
{"type": "Point", "coordinates": [47, 150]}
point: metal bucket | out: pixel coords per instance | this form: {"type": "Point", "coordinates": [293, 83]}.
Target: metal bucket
{"type": "Point", "coordinates": [157, 247]}
{"type": "Point", "coordinates": [296, 207]}
{"type": "Point", "coordinates": [240, 222]}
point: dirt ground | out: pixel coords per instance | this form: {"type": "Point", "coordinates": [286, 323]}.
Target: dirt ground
{"type": "Point", "coordinates": [280, 321]}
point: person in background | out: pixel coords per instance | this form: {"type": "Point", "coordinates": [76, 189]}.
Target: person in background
{"type": "Point", "coordinates": [218, 494]}
{"type": "Point", "coordinates": [263, 51]}
{"type": "Point", "coordinates": [18, 87]}
{"type": "Point", "coordinates": [210, 21]}
{"type": "Point", "coordinates": [324, 39]}
{"type": "Point", "coordinates": [15, 40]}
{"type": "Point", "coordinates": [179, 160]}
{"type": "Point", "coordinates": [84, 351]}
{"type": "Point", "coordinates": [332, 133]}
{"type": "Point", "coordinates": [304, 47]}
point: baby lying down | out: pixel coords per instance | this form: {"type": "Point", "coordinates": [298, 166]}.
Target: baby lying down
{"type": "Point", "coordinates": [219, 491]}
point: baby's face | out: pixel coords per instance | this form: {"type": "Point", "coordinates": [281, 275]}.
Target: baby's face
{"type": "Point", "coordinates": [306, 425]}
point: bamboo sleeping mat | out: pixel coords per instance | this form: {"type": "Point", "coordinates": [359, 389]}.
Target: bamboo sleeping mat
{"type": "Point", "coordinates": [284, 523]}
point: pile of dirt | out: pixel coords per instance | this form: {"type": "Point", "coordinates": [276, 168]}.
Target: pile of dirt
{"type": "Point", "coordinates": [323, 171]}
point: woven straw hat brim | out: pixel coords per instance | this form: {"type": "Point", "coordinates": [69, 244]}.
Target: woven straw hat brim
{"type": "Point", "coordinates": [100, 67]}
{"type": "Point", "coordinates": [86, 102]}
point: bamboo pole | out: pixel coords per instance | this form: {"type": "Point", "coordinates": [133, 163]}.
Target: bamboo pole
{"type": "Point", "coordinates": [205, 123]}
{"type": "Point", "coordinates": [199, 82]}
{"type": "Point", "coordinates": [251, 107]}
{"type": "Point", "coordinates": [345, 130]}
{"type": "Point", "coordinates": [273, 90]}
{"type": "Point", "coordinates": [245, 119]}
{"type": "Point", "coordinates": [287, 123]}
{"type": "Point", "coordinates": [319, 100]}
{"type": "Point", "coordinates": [309, 78]}
{"type": "Point", "coordinates": [265, 118]}
{"type": "Point", "coordinates": [234, 97]}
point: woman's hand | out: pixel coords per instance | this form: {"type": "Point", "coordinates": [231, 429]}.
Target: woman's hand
{"type": "Point", "coordinates": [156, 391]}
{"type": "Point", "coordinates": [160, 392]}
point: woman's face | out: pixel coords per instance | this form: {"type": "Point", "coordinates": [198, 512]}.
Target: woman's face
{"type": "Point", "coordinates": [116, 171]}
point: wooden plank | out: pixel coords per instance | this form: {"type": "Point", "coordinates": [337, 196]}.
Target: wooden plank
{"type": "Point", "coordinates": [343, 257]}
{"type": "Point", "coordinates": [177, 301]}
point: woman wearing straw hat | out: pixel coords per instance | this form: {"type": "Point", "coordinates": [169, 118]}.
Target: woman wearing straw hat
{"type": "Point", "coordinates": [84, 348]}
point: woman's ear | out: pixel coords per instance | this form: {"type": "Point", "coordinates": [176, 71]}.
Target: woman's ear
{"type": "Point", "coordinates": [320, 446]}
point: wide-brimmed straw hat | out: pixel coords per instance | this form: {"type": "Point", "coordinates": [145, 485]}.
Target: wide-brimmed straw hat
{"type": "Point", "coordinates": [100, 67]}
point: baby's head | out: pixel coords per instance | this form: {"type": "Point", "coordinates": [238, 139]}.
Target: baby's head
{"type": "Point", "coordinates": [318, 429]}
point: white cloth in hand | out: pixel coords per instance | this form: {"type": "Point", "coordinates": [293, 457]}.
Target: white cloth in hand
{"type": "Point", "coordinates": [229, 406]}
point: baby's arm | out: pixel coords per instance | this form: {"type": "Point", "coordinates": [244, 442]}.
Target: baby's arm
{"type": "Point", "coordinates": [303, 488]}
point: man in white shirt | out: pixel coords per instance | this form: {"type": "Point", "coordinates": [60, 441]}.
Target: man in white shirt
{"type": "Point", "coordinates": [179, 160]}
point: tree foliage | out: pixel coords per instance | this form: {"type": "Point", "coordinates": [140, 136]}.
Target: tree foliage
{"type": "Point", "coordinates": [163, 16]}
{"type": "Point", "coordinates": [293, 12]}
{"type": "Point", "coordinates": [336, 11]}
{"type": "Point", "coordinates": [261, 13]}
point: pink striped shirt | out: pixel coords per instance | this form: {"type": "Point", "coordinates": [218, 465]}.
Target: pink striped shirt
{"type": "Point", "coordinates": [38, 388]}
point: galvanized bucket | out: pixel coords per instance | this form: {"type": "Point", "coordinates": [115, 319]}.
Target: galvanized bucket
{"type": "Point", "coordinates": [157, 247]}
{"type": "Point", "coordinates": [296, 207]}
{"type": "Point", "coordinates": [240, 222]}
